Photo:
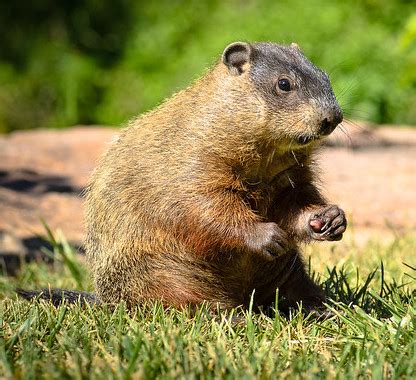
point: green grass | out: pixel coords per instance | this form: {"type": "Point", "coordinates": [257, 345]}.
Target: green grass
{"type": "Point", "coordinates": [372, 335]}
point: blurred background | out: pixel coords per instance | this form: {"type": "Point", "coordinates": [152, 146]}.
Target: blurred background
{"type": "Point", "coordinates": [73, 62]}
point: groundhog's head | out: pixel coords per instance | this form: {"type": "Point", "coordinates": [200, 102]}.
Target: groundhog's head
{"type": "Point", "coordinates": [301, 106]}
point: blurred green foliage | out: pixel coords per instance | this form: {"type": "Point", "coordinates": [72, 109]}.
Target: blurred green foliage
{"type": "Point", "coordinates": [98, 61]}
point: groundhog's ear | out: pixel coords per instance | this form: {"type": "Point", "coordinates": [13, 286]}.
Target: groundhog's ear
{"type": "Point", "coordinates": [236, 57]}
{"type": "Point", "coordinates": [294, 45]}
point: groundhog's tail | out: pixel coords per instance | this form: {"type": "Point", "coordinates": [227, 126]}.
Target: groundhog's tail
{"type": "Point", "coordinates": [58, 296]}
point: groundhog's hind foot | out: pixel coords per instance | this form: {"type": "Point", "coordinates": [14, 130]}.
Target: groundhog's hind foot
{"type": "Point", "coordinates": [318, 313]}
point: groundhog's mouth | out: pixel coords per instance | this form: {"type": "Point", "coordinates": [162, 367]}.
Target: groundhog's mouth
{"type": "Point", "coordinates": [304, 140]}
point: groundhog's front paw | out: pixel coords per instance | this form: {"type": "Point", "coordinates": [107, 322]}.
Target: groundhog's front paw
{"type": "Point", "coordinates": [268, 240]}
{"type": "Point", "coordinates": [328, 223]}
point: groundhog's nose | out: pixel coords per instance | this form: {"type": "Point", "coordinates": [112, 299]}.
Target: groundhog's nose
{"type": "Point", "coordinates": [329, 123]}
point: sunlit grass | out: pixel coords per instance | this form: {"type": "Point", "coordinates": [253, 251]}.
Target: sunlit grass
{"type": "Point", "coordinates": [371, 290]}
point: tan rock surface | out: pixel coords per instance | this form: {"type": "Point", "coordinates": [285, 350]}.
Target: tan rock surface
{"type": "Point", "coordinates": [42, 175]}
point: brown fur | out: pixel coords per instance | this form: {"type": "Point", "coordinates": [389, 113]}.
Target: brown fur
{"type": "Point", "coordinates": [184, 201]}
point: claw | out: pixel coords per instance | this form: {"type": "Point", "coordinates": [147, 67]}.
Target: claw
{"type": "Point", "coordinates": [329, 224]}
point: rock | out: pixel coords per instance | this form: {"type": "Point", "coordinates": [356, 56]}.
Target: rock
{"type": "Point", "coordinates": [42, 176]}
{"type": "Point", "coordinates": [12, 253]}
{"type": "Point", "coordinates": [359, 135]}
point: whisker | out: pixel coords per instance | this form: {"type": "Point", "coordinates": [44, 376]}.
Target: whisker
{"type": "Point", "coordinates": [355, 125]}
{"type": "Point", "coordinates": [346, 134]}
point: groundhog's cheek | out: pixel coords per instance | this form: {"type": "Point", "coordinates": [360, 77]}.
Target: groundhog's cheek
{"type": "Point", "coordinates": [300, 122]}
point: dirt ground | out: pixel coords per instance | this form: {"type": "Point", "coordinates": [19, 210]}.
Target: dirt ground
{"type": "Point", "coordinates": [369, 172]}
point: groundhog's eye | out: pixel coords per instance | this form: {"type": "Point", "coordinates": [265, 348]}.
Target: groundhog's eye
{"type": "Point", "coordinates": [284, 84]}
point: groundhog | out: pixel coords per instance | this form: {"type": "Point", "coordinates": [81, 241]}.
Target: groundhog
{"type": "Point", "coordinates": [207, 197]}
